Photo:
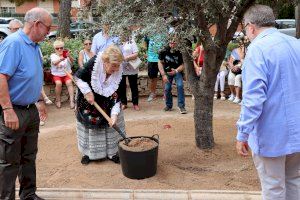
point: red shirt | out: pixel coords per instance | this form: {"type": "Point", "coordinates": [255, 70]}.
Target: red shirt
{"type": "Point", "coordinates": [200, 59]}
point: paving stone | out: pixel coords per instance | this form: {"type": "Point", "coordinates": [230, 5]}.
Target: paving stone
{"type": "Point", "coordinates": [160, 195]}
{"type": "Point", "coordinates": [119, 194]}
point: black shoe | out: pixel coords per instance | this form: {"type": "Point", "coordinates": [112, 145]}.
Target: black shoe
{"type": "Point", "coordinates": [182, 110]}
{"type": "Point", "coordinates": [85, 160]}
{"type": "Point", "coordinates": [34, 197]}
{"type": "Point", "coordinates": [115, 159]}
{"type": "Point", "coordinates": [167, 108]}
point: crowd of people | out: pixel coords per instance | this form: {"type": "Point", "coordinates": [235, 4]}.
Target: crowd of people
{"type": "Point", "coordinates": [268, 122]}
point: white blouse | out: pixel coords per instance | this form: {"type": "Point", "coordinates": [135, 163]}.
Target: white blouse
{"type": "Point", "coordinates": [100, 85]}
{"type": "Point", "coordinates": [58, 70]}
{"type": "Point", "coordinates": [129, 48]}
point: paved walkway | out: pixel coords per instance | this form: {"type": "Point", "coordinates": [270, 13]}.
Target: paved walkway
{"type": "Point", "coordinates": [96, 194]}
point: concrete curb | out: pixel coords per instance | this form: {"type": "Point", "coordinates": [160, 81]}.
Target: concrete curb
{"type": "Point", "coordinates": [119, 194]}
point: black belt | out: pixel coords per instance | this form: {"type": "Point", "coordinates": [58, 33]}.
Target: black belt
{"type": "Point", "coordinates": [24, 107]}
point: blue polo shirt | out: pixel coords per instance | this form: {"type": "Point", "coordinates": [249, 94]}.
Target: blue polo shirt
{"type": "Point", "coordinates": [20, 58]}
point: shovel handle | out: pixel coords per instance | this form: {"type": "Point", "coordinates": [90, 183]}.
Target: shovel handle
{"type": "Point", "coordinates": [102, 113]}
{"type": "Point", "coordinates": [94, 104]}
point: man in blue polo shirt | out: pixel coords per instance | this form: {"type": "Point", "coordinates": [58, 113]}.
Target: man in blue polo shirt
{"type": "Point", "coordinates": [270, 115]}
{"type": "Point", "coordinates": [21, 78]}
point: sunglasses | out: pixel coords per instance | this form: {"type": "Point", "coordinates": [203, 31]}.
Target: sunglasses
{"type": "Point", "coordinates": [88, 44]}
{"type": "Point", "coordinates": [14, 28]}
{"type": "Point", "coordinates": [59, 48]}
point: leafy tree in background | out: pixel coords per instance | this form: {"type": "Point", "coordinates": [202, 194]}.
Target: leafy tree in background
{"type": "Point", "coordinates": [283, 9]}
{"type": "Point", "coordinates": [192, 19]}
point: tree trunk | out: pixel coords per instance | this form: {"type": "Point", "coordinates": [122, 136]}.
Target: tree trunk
{"type": "Point", "coordinates": [64, 18]}
{"type": "Point", "coordinates": [203, 91]}
{"type": "Point", "coordinates": [297, 15]}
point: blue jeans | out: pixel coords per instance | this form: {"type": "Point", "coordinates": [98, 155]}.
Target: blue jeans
{"type": "Point", "coordinates": [180, 91]}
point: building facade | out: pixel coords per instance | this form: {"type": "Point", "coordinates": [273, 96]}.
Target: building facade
{"type": "Point", "coordinates": [7, 7]}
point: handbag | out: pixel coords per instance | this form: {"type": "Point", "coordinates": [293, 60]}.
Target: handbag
{"type": "Point", "coordinates": [135, 63]}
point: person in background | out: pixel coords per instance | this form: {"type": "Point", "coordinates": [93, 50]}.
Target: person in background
{"type": "Point", "coordinates": [235, 63]}
{"type": "Point", "coordinates": [60, 64]}
{"type": "Point", "coordinates": [14, 25]}
{"type": "Point", "coordinates": [102, 39]}
{"type": "Point", "coordinates": [153, 45]}
{"type": "Point", "coordinates": [171, 67]}
{"type": "Point", "coordinates": [130, 52]}
{"type": "Point", "coordinates": [270, 113]}
{"type": "Point", "coordinates": [198, 56]}
{"type": "Point", "coordinates": [221, 80]}
{"type": "Point", "coordinates": [98, 82]}
{"type": "Point", "coordinates": [47, 102]}
{"type": "Point", "coordinates": [22, 105]}
{"type": "Point", "coordinates": [86, 54]}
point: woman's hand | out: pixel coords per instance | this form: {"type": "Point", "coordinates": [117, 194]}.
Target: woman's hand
{"type": "Point", "coordinates": [41, 106]}
{"type": "Point", "coordinates": [90, 98]}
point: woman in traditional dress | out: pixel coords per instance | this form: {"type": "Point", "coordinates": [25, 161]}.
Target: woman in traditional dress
{"type": "Point", "coordinates": [98, 82]}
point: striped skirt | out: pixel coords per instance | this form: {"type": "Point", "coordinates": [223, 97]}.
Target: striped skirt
{"type": "Point", "coordinates": [99, 143]}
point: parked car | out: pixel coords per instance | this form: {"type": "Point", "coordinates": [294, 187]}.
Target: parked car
{"type": "Point", "coordinates": [286, 26]}
{"type": "Point", "coordinates": [4, 31]}
{"type": "Point", "coordinates": [78, 27]}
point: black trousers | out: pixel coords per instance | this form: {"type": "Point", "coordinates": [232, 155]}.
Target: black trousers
{"type": "Point", "coordinates": [133, 87]}
{"type": "Point", "coordinates": [18, 149]}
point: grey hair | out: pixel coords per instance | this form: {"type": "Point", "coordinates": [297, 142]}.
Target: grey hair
{"type": "Point", "coordinates": [260, 15]}
{"type": "Point", "coordinates": [36, 14]}
{"type": "Point", "coordinates": [16, 21]}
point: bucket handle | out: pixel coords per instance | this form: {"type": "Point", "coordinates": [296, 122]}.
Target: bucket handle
{"type": "Point", "coordinates": [155, 136]}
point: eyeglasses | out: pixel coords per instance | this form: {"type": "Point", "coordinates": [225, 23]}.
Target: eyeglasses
{"type": "Point", "coordinates": [59, 48]}
{"type": "Point", "coordinates": [245, 25]}
{"type": "Point", "coordinates": [47, 27]}
{"type": "Point", "coordinates": [87, 44]}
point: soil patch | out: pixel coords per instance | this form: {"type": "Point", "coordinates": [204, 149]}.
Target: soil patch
{"type": "Point", "coordinates": [181, 165]}
{"type": "Point", "coordinates": [138, 144]}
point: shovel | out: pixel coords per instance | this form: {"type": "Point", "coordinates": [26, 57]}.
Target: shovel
{"type": "Point", "coordinates": [103, 113]}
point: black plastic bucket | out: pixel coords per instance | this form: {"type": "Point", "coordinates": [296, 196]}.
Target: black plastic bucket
{"type": "Point", "coordinates": [139, 165]}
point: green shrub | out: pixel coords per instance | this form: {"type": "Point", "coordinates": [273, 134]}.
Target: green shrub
{"type": "Point", "coordinates": [232, 45]}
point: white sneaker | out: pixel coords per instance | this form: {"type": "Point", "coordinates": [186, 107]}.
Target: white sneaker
{"type": "Point", "coordinates": [236, 100]}
{"type": "Point", "coordinates": [231, 97]}
{"type": "Point", "coordinates": [151, 97]}
{"type": "Point", "coordinates": [42, 123]}
{"type": "Point", "coordinates": [215, 96]}
{"type": "Point", "coordinates": [223, 98]}
{"type": "Point", "coordinates": [48, 101]}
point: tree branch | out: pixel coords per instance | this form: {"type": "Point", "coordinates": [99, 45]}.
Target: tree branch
{"type": "Point", "coordinates": [237, 18]}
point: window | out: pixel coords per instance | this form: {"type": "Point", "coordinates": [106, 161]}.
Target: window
{"type": "Point", "coordinates": [7, 10]}
{"type": "Point", "coordinates": [288, 24]}
{"type": "Point", "coordinates": [285, 24]}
